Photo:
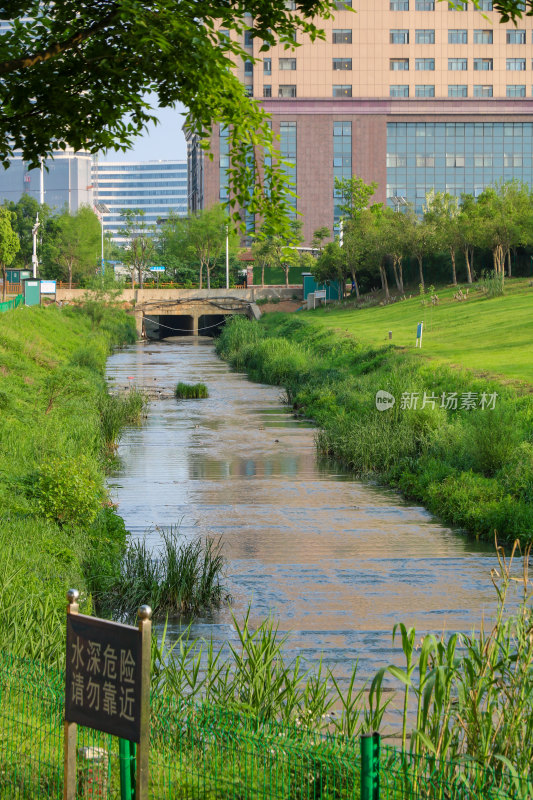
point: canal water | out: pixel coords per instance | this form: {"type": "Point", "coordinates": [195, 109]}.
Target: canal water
{"type": "Point", "coordinates": [336, 561]}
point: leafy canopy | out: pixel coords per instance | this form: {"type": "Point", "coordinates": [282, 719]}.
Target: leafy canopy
{"type": "Point", "coordinates": [76, 72]}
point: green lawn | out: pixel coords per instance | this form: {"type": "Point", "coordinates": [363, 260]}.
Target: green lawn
{"type": "Point", "coordinates": [487, 335]}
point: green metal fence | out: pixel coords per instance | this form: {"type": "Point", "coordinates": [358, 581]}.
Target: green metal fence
{"type": "Point", "coordinates": [209, 753]}
{"type": "Point", "coordinates": [9, 305]}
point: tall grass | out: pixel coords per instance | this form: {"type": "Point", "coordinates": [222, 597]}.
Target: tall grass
{"type": "Point", "coordinates": [191, 391]}
{"type": "Point", "coordinates": [180, 577]}
{"type": "Point", "coordinates": [117, 411]}
{"type": "Point", "coordinates": [52, 487]}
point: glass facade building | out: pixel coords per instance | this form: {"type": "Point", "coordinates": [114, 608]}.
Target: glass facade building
{"type": "Point", "coordinates": [455, 157]}
{"type": "Point", "coordinates": [158, 188]}
{"type": "Point", "coordinates": [66, 181]}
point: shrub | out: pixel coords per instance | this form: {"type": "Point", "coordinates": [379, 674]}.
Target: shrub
{"type": "Point", "coordinates": [68, 491]}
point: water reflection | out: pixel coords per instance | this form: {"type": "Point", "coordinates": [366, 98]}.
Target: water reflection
{"type": "Point", "coordinates": [338, 561]}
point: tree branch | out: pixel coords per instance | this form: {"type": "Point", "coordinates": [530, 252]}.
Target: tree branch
{"type": "Point", "coordinates": [57, 48]}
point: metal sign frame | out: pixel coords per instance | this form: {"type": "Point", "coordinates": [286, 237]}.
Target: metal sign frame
{"type": "Point", "coordinates": [125, 676]}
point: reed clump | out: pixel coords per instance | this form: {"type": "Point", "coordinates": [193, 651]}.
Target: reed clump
{"type": "Point", "coordinates": [191, 391]}
{"type": "Point", "coordinates": [117, 411]}
{"type": "Point", "coordinates": [180, 577]}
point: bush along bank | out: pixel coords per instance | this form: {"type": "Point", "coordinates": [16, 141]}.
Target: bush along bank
{"type": "Point", "coordinates": [466, 452]}
{"type": "Point", "coordinates": [57, 428]}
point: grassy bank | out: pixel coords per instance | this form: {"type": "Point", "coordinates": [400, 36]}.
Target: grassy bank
{"type": "Point", "coordinates": [473, 467]}
{"type": "Point", "coordinates": [57, 427]}
{"type": "Point", "coordinates": [483, 334]}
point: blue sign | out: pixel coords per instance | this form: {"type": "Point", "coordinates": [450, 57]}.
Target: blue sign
{"type": "Point", "coordinates": [419, 330]}
{"type": "Point", "coordinates": [157, 269]}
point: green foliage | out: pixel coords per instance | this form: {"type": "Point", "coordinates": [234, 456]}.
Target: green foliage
{"type": "Point", "coordinates": [492, 284]}
{"type": "Point", "coordinates": [117, 411]}
{"type": "Point", "coordinates": [67, 491]}
{"type": "Point", "coordinates": [9, 244]}
{"type": "Point", "coordinates": [80, 77]}
{"type": "Point", "coordinates": [191, 391]}
{"type": "Point", "coordinates": [140, 249]}
{"type": "Point", "coordinates": [182, 576]}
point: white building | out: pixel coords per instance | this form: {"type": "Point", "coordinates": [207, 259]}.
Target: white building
{"type": "Point", "coordinates": [64, 182]}
{"type": "Point", "coordinates": [156, 187]}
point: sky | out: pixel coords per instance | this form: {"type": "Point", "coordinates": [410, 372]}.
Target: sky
{"type": "Point", "coordinates": [160, 142]}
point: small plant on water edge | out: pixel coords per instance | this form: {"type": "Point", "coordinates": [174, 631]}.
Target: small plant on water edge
{"type": "Point", "coordinates": [191, 391]}
{"type": "Point", "coordinates": [117, 411]}
{"type": "Point", "coordinates": [182, 576]}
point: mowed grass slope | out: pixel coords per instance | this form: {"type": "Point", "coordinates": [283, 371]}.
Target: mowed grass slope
{"type": "Point", "coordinates": [487, 335]}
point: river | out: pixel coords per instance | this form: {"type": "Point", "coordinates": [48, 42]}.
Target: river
{"type": "Point", "coordinates": [338, 562]}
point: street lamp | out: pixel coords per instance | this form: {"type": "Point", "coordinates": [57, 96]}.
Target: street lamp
{"type": "Point", "coordinates": [398, 201]}
{"type": "Point", "coordinates": [227, 256]}
{"type": "Point", "coordinates": [101, 209]}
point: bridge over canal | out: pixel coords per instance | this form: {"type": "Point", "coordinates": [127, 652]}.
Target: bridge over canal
{"type": "Point", "coordinates": [160, 313]}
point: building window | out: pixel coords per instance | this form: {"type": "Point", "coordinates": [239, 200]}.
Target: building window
{"type": "Point", "coordinates": [515, 65]}
{"type": "Point", "coordinates": [457, 64]}
{"type": "Point", "coordinates": [425, 161]}
{"type": "Point", "coordinates": [483, 160]}
{"type": "Point", "coordinates": [396, 160]}
{"type": "Point", "coordinates": [515, 91]}
{"type": "Point", "coordinates": [287, 63]}
{"type": "Point", "coordinates": [399, 90]}
{"type": "Point", "coordinates": [290, 5]}
{"type": "Point", "coordinates": [249, 90]}
{"type": "Point", "coordinates": [457, 36]}
{"type": "Point", "coordinates": [399, 64]}
{"type": "Point", "coordinates": [287, 90]}
{"type": "Point", "coordinates": [455, 160]}
{"type": "Point", "coordinates": [457, 6]}
{"type": "Point", "coordinates": [342, 36]}
{"type": "Point", "coordinates": [399, 36]}
{"type": "Point", "coordinates": [483, 64]}
{"type": "Point", "coordinates": [422, 64]}
{"type": "Point", "coordinates": [267, 90]}
{"type": "Point", "coordinates": [248, 39]}
{"type": "Point", "coordinates": [267, 66]}
{"type": "Point", "coordinates": [399, 5]}
{"type": "Point", "coordinates": [342, 63]}
{"type": "Point", "coordinates": [424, 90]}
{"type": "Point", "coordinates": [425, 5]}
{"type": "Point", "coordinates": [342, 91]}
{"type": "Point", "coordinates": [512, 159]}
{"type": "Point", "coordinates": [248, 67]}
{"type": "Point", "coordinates": [457, 90]}
{"type": "Point", "coordinates": [425, 36]}
{"type": "Point", "coordinates": [342, 163]}
{"type": "Point", "coordinates": [340, 4]}
{"type": "Point", "coordinates": [482, 37]}
{"type": "Point", "coordinates": [485, 5]}
{"type": "Point", "coordinates": [516, 36]}
{"type": "Point", "coordinates": [483, 90]}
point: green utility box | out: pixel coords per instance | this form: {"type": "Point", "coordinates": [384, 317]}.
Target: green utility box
{"type": "Point", "coordinates": [333, 288]}
{"type": "Point", "coordinates": [32, 291]}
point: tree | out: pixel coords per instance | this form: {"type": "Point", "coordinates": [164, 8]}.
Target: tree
{"type": "Point", "coordinates": [9, 244]}
{"type": "Point", "coordinates": [25, 212]}
{"type": "Point", "coordinates": [317, 242]}
{"type": "Point", "coordinates": [282, 247]}
{"type": "Point", "coordinates": [504, 217]}
{"type": "Point", "coordinates": [139, 251]}
{"type": "Point", "coordinates": [394, 237]}
{"type": "Point", "coordinates": [331, 264]}
{"type": "Point", "coordinates": [262, 256]}
{"type": "Point", "coordinates": [200, 240]}
{"type": "Point", "coordinates": [421, 239]}
{"type": "Point", "coordinates": [442, 212]}
{"type": "Point", "coordinates": [355, 195]}
{"type": "Point", "coordinates": [77, 243]}
{"type": "Point", "coordinates": [77, 73]}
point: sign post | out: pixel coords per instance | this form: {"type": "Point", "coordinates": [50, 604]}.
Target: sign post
{"type": "Point", "coordinates": [419, 329]}
{"type": "Point", "coordinates": [107, 686]}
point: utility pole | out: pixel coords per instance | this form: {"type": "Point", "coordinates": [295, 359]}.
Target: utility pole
{"type": "Point", "coordinates": [34, 261]}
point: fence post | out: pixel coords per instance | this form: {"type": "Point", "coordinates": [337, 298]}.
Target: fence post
{"type": "Point", "coordinates": [370, 748]}
{"type": "Point", "coordinates": [125, 749]}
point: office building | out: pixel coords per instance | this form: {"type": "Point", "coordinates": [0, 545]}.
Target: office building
{"type": "Point", "coordinates": [158, 188]}
{"type": "Point", "coordinates": [64, 182]}
{"type": "Point", "coordinates": [411, 94]}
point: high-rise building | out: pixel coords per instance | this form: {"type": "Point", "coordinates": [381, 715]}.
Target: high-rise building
{"type": "Point", "coordinates": [412, 94]}
{"type": "Point", "coordinates": [64, 182]}
{"type": "Point", "coordinates": [158, 188]}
